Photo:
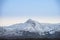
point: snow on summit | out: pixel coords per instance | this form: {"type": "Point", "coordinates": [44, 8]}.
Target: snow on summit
{"type": "Point", "coordinates": [31, 26]}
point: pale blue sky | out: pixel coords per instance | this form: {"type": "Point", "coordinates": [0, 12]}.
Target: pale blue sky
{"type": "Point", "coordinates": [16, 11]}
{"type": "Point", "coordinates": [41, 8]}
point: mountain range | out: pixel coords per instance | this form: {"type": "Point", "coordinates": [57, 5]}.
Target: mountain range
{"type": "Point", "coordinates": [31, 29]}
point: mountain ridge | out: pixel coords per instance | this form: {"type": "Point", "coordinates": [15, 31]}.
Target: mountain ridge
{"type": "Point", "coordinates": [32, 27]}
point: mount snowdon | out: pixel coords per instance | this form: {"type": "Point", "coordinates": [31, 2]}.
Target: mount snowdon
{"type": "Point", "coordinates": [31, 29]}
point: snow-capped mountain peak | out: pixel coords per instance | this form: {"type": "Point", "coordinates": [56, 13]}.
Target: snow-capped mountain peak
{"type": "Point", "coordinates": [32, 26]}
{"type": "Point", "coordinates": [30, 21]}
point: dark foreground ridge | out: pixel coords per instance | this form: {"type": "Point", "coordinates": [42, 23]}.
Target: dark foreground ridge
{"type": "Point", "coordinates": [31, 39]}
